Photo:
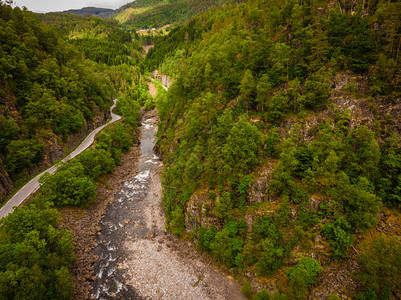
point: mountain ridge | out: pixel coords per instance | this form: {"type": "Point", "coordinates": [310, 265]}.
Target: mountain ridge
{"type": "Point", "coordinates": [103, 13]}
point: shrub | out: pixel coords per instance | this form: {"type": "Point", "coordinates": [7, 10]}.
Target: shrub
{"type": "Point", "coordinates": [69, 186]}
{"type": "Point", "coordinates": [34, 256]}
{"type": "Point", "coordinates": [338, 233]}
{"type": "Point", "coordinates": [380, 265]}
{"type": "Point", "coordinates": [303, 276]}
{"type": "Point", "coordinates": [270, 258]}
{"type": "Point", "coordinates": [22, 154]}
{"type": "Point", "coordinates": [247, 289]}
{"type": "Point", "coordinates": [261, 295]}
{"type": "Point", "coordinates": [96, 162]}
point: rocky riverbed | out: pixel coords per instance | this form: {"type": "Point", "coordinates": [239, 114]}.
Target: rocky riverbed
{"type": "Point", "coordinates": [123, 251]}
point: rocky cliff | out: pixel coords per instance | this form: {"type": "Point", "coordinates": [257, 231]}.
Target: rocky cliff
{"type": "Point", "coordinates": [54, 149]}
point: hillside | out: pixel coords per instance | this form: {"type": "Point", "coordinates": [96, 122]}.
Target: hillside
{"type": "Point", "coordinates": [280, 136]}
{"type": "Point", "coordinates": [146, 14]}
{"type": "Point", "coordinates": [50, 95]}
{"type": "Point", "coordinates": [281, 142]}
{"type": "Point", "coordinates": [102, 41]}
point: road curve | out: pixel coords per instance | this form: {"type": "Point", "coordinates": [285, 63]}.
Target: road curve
{"type": "Point", "coordinates": [34, 184]}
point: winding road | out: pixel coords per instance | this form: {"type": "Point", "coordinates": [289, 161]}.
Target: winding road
{"type": "Point", "coordinates": [34, 184]}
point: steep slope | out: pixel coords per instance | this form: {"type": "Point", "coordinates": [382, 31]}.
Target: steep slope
{"type": "Point", "coordinates": [143, 14]}
{"type": "Point", "coordinates": [101, 40]}
{"type": "Point", "coordinates": [50, 96]}
{"type": "Point", "coordinates": [281, 139]}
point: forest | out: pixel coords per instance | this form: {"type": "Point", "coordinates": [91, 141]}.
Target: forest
{"type": "Point", "coordinates": [263, 161]}
{"type": "Point", "coordinates": [280, 137]}
{"type": "Point", "coordinates": [147, 14]}
{"type": "Point", "coordinates": [50, 90]}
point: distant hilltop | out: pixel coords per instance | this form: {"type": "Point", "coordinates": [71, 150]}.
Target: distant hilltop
{"type": "Point", "coordinates": [100, 12]}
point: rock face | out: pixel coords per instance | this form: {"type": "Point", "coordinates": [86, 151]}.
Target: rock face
{"type": "Point", "coordinates": [6, 185]}
{"type": "Point", "coordinates": [349, 92]}
{"type": "Point", "coordinates": [257, 192]}
{"type": "Point", "coordinates": [165, 80]}
{"type": "Point", "coordinates": [315, 202]}
{"type": "Point", "coordinates": [54, 149]}
{"type": "Point", "coordinates": [200, 212]}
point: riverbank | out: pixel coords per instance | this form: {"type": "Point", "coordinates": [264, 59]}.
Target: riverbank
{"type": "Point", "coordinates": [154, 263]}
{"type": "Point", "coordinates": [84, 223]}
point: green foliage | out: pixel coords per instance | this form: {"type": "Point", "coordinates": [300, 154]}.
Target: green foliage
{"type": "Point", "coordinates": [54, 89]}
{"type": "Point", "coordinates": [101, 40]}
{"type": "Point", "coordinates": [381, 267]}
{"type": "Point", "coordinates": [74, 183]}
{"type": "Point", "coordinates": [264, 295]}
{"type": "Point", "coordinates": [303, 276]}
{"type": "Point", "coordinates": [227, 244]}
{"type": "Point", "coordinates": [339, 235]}
{"type": "Point", "coordinates": [205, 238]}
{"type": "Point", "coordinates": [224, 206]}
{"type": "Point", "coordinates": [22, 154]}
{"type": "Point", "coordinates": [247, 289]}
{"type": "Point", "coordinates": [272, 142]}
{"type": "Point", "coordinates": [143, 14]}
{"type": "Point", "coordinates": [242, 146]}
{"type": "Point", "coordinates": [177, 223]}
{"type": "Point", "coordinates": [69, 186]}
{"type": "Point", "coordinates": [244, 74]}
{"type": "Point", "coordinates": [261, 295]}
{"type": "Point", "coordinates": [110, 53]}
{"type": "Point", "coordinates": [265, 227]}
{"type": "Point", "coordinates": [304, 159]}
{"type": "Point", "coordinates": [34, 256]}
{"type": "Point", "coordinates": [390, 170]}
{"type": "Point", "coordinates": [96, 162]}
{"type": "Point", "coordinates": [270, 257]}
{"type": "Point", "coordinates": [360, 204]}
{"type": "Point", "coordinates": [115, 139]}
{"type": "Point", "coordinates": [129, 109]}
{"type": "Point", "coordinates": [350, 40]}
{"type": "Point", "coordinates": [8, 131]}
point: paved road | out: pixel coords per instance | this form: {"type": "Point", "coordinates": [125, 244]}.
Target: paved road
{"type": "Point", "coordinates": [34, 184]}
{"type": "Point", "coordinates": [166, 88]}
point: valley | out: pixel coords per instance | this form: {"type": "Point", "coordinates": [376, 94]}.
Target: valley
{"type": "Point", "coordinates": [256, 152]}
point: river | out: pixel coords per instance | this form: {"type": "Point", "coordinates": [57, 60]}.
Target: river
{"type": "Point", "coordinates": [138, 259]}
{"type": "Point", "coordinates": [125, 221]}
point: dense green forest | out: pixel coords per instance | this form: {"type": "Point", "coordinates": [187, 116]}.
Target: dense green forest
{"type": "Point", "coordinates": [36, 254]}
{"type": "Point", "coordinates": [146, 14]}
{"type": "Point", "coordinates": [101, 40]}
{"type": "Point", "coordinates": [257, 107]}
{"type": "Point", "coordinates": [48, 91]}
{"type": "Point", "coordinates": [280, 137]}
